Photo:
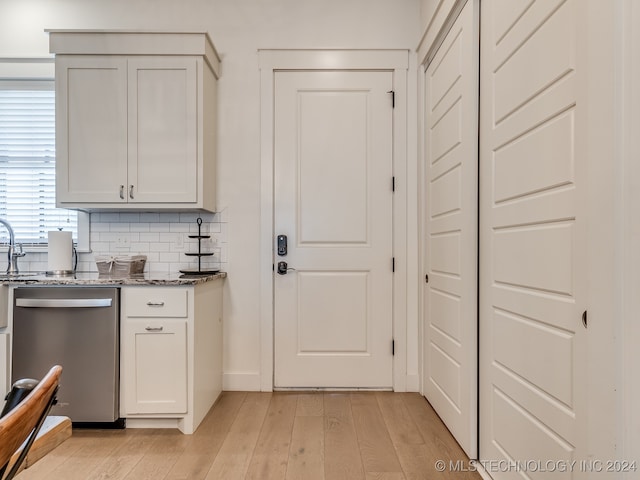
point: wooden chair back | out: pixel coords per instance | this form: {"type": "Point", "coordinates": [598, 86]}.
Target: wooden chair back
{"type": "Point", "coordinates": [25, 419]}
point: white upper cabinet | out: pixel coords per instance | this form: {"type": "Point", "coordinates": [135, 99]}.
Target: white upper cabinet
{"type": "Point", "coordinates": [135, 120]}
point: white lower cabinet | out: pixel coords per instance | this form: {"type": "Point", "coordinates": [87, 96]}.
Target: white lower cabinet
{"type": "Point", "coordinates": [156, 358]}
{"type": "Point", "coordinates": [170, 354]}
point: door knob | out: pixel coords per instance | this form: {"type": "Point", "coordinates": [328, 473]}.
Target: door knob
{"type": "Point", "coordinates": [283, 268]}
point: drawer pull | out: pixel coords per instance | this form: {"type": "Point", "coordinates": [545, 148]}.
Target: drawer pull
{"type": "Point", "coordinates": [153, 329]}
{"type": "Point", "coordinates": [155, 304]}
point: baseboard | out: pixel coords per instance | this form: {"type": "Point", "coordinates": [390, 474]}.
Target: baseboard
{"type": "Point", "coordinates": [252, 382]}
{"type": "Point", "coordinates": [241, 382]}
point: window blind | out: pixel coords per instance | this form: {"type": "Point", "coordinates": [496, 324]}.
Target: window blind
{"type": "Point", "coordinates": [27, 164]}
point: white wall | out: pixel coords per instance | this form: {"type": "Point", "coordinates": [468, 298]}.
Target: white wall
{"type": "Point", "coordinates": [239, 28]}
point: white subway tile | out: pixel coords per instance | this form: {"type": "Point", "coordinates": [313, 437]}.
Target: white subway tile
{"type": "Point", "coordinates": [150, 217]}
{"type": "Point", "coordinates": [109, 217]}
{"type": "Point", "coordinates": [150, 237]}
{"type": "Point", "coordinates": [152, 257]}
{"type": "Point", "coordinates": [130, 217]}
{"type": "Point", "coordinates": [120, 227]}
{"type": "Point", "coordinates": [158, 227]}
{"type": "Point", "coordinates": [168, 217]}
{"type": "Point", "coordinates": [169, 257]}
{"type": "Point", "coordinates": [140, 247]}
{"type": "Point", "coordinates": [163, 237]}
{"type": "Point", "coordinates": [99, 227]}
{"type": "Point", "coordinates": [159, 247]}
{"type": "Point", "coordinates": [179, 227]}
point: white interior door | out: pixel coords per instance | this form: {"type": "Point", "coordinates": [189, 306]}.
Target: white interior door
{"type": "Point", "coordinates": [532, 241]}
{"type": "Point", "coordinates": [451, 253]}
{"type": "Point", "coordinates": [333, 201]}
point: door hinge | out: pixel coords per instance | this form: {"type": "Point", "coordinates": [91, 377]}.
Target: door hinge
{"type": "Point", "coordinates": [584, 319]}
{"type": "Point", "coordinates": [393, 184]}
{"type": "Point", "coordinates": [393, 347]}
{"type": "Point", "coordinates": [393, 264]}
{"type": "Point", "coordinates": [393, 98]}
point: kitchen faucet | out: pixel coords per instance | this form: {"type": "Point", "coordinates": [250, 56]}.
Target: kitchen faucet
{"type": "Point", "coordinates": [12, 254]}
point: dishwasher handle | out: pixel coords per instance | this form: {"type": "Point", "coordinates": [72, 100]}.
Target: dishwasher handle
{"type": "Point", "coordinates": [63, 302]}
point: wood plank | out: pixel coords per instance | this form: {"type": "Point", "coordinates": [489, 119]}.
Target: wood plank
{"type": "Point", "coordinates": [310, 405]}
{"type": "Point", "coordinates": [385, 476]}
{"type": "Point", "coordinates": [418, 461]}
{"type": "Point", "coordinates": [401, 426]}
{"type": "Point", "coordinates": [234, 456]}
{"type": "Point", "coordinates": [55, 458]}
{"type": "Point", "coordinates": [203, 446]}
{"type": "Point", "coordinates": [360, 436]}
{"type": "Point", "coordinates": [342, 453]}
{"type": "Point", "coordinates": [163, 452]}
{"type": "Point", "coordinates": [376, 448]}
{"type": "Point", "coordinates": [271, 454]}
{"type": "Point", "coordinates": [306, 453]}
{"type": "Point", "coordinates": [134, 446]}
{"type": "Point", "coordinates": [96, 447]}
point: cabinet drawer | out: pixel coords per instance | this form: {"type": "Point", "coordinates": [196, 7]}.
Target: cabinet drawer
{"type": "Point", "coordinates": [155, 302]}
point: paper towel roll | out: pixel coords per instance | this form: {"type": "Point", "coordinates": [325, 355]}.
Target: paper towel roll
{"type": "Point", "coordinates": [60, 253]}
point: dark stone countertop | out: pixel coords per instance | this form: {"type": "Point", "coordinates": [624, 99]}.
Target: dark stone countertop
{"type": "Point", "coordinates": [95, 279]}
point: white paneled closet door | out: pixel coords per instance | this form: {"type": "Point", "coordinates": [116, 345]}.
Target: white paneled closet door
{"type": "Point", "coordinates": [532, 239]}
{"type": "Point", "coordinates": [451, 230]}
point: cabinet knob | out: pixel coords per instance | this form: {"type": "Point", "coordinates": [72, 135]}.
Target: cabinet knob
{"type": "Point", "coordinates": [153, 329]}
{"type": "Point", "coordinates": [131, 192]}
{"type": "Point", "coordinates": [122, 192]}
{"type": "Point", "coordinates": [155, 304]}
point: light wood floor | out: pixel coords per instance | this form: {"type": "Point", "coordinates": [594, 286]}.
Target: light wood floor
{"type": "Point", "coordinates": [265, 436]}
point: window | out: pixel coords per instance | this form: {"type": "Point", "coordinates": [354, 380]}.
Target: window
{"type": "Point", "coordinates": [27, 163]}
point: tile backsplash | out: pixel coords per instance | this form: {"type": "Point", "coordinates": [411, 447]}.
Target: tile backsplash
{"type": "Point", "coordinates": [162, 237]}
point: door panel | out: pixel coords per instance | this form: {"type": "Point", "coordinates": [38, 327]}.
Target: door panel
{"type": "Point", "coordinates": [333, 200]}
{"type": "Point", "coordinates": [163, 129]}
{"type": "Point", "coordinates": [91, 122]}
{"type": "Point", "coordinates": [451, 169]}
{"type": "Point", "coordinates": [531, 238]}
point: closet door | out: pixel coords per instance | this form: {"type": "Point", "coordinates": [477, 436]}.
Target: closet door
{"type": "Point", "coordinates": [532, 237]}
{"type": "Point", "coordinates": [451, 242]}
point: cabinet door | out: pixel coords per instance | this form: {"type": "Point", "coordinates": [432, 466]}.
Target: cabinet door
{"type": "Point", "coordinates": [163, 137]}
{"type": "Point", "coordinates": [91, 129]}
{"type": "Point", "coordinates": [154, 366]}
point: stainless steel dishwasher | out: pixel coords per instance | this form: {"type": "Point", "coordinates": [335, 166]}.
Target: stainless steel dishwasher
{"type": "Point", "coordinates": [78, 328]}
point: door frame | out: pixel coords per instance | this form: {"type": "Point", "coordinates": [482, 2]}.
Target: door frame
{"type": "Point", "coordinates": [271, 61]}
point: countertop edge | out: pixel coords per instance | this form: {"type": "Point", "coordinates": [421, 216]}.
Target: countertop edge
{"type": "Point", "coordinates": [38, 280]}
